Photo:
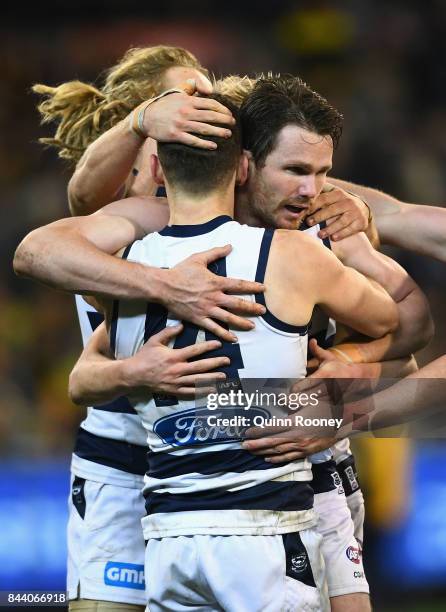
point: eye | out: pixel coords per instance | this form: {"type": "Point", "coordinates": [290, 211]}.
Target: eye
{"type": "Point", "coordinates": [299, 170]}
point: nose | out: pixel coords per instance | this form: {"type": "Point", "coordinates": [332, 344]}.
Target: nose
{"type": "Point", "coordinates": [307, 187]}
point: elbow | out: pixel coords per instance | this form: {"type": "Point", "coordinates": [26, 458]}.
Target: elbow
{"type": "Point", "coordinates": [78, 203]}
{"type": "Point", "coordinates": [422, 333]}
{"type": "Point", "coordinates": [25, 255]}
{"type": "Point", "coordinates": [387, 323]}
{"type": "Point", "coordinates": [75, 390]}
{"type": "Point", "coordinates": [391, 319]}
{"type": "Point", "coordinates": [80, 198]}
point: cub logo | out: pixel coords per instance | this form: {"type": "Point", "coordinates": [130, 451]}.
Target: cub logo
{"type": "Point", "coordinates": [299, 563]}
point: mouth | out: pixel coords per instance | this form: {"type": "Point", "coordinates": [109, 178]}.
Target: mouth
{"type": "Point", "coordinates": [296, 210]}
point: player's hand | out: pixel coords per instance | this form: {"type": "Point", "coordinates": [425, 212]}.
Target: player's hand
{"type": "Point", "coordinates": [168, 370]}
{"type": "Point", "coordinates": [179, 117]}
{"type": "Point", "coordinates": [344, 353]}
{"type": "Point", "coordinates": [350, 213]}
{"type": "Point", "coordinates": [283, 448]}
{"type": "Point", "coordinates": [195, 294]}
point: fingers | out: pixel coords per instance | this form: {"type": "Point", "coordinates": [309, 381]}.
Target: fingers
{"type": "Point", "coordinates": [206, 365]}
{"type": "Point", "coordinates": [216, 329]}
{"type": "Point", "coordinates": [242, 307]}
{"type": "Point", "coordinates": [235, 285]}
{"type": "Point", "coordinates": [327, 212]}
{"type": "Point", "coordinates": [197, 127]}
{"type": "Point", "coordinates": [279, 449]}
{"type": "Point", "coordinates": [231, 320]}
{"type": "Point", "coordinates": [286, 457]}
{"type": "Point", "coordinates": [212, 105]}
{"type": "Point", "coordinates": [212, 254]}
{"type": "Point", "coordinates": [193, 392]}
{"type": "Point", "coordinates": [198, 115]}
{"type": "Point", "coordinates": [189, 86]}
{"type": "Point", "coordinates": [320, 353]}
{"type": "Point", "coordinates": [334, 228]}
{"type": "Point", "coordinates": [203, 84]}
{"type": "Point", "coordinates": [165, 335]}
{"type": "Point", "coordinates": [189, 352]}
{"type": "Point", "coordinates": [257, 445]}
{"type": "Point", "coordinates": [194, 379]}
{"type": "Point", "coordinates": [350, 230]}
{"type": "Point", "coordinates": [195, 141]}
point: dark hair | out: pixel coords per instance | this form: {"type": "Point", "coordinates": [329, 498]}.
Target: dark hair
{"type": "Point", "coordinates": [197, 171]}
{"type": "Point", "coordinates": [277, 101]}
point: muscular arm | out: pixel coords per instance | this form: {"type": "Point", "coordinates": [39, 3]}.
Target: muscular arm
{"type": "Point", "coordinates": [318, 277]}
{"type": "Point", "coordinates": [106, 166]}
{"type": "Point", "coordinates": [98, 378]}
{"type": "Point", "coordinates": [75, 255]}
{"type": "Point", "coordinates": [418, 395]}
{"type": "Point", "coordinates": [102, 172]}
{"type": "Point", "coordinates": [415, 322]}
{"type": "Point", "coordinates": [415, 227]}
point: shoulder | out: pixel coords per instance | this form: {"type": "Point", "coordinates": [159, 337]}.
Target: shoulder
{"type": "Point", "coordinates": [300, 245]}
{"type": "Point", "coordinates": [148, 212]}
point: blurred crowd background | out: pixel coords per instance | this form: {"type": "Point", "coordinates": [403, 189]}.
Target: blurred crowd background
{"type": "Point", "coordinates": [383, 65]}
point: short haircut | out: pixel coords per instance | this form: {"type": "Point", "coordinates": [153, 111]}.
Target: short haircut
{"type": "Point", "coordinates": [277, 101]}
{"type": "Point", "coordinates": [198, 171]}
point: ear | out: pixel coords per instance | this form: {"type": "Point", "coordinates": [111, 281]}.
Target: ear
{"type": "Point", "coordinates": [156, 170]}
{"type": "Point", "coordinates": [242, 170]}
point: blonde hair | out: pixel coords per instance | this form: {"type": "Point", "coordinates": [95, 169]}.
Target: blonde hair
{"type": "Point", "coordinates": [235, 87]}
{"type": "Point", "coordinates": [83, 112]}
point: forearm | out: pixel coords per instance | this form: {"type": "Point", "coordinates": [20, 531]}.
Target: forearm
{"type": "Point", "coordinates": [102, 172]}
{"type": "Point", "coordinates": [97, 381]}
{"type": "Point", "coordinates": [416, 396]}
{"type": "Point", "coordinates": [380, 203]}
{"type": "Point", "coordinates": [69, 262]}
{"type": "Point", "coordinates": [418, 228]}
{"type": "Point", "coordinates": [414, 332]}
{"type": "Point", "coordinates": [395, 368]}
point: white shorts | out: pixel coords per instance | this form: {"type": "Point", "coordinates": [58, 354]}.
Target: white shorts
{"type": "Point", "coordinates": [355, 502]}
{"type": "Point", "coordinates": [248, 573]}
{"type": "Point", "coordinates": [106, 547]}
{"type": "Point", "coordinates": [341, 551]}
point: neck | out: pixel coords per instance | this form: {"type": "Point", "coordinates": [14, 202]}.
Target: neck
{"type": "Point", "coordinates": [244, 212]}
{"type": "Point", "coordinates": [194, 210]}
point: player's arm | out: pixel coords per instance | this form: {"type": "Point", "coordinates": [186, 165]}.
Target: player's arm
{"type": "Point", "coordinates": [346, 361]}
{"type": "Point", "coordinates": [98, 377]}
{"type": "Point", "coordinates": [415, 227]}
{"type": "Point", "coordinates": [313, 275]}
{"type": "Point", "coordinates": [416, 396]}
{"type": "Point", "coordinates": [75, 255]}
{"type": "Point", "coordinates": [415, 327]}
{"type": "Point", "coordinates": [103, 171]}
{"type": "Point", "coordinates": [347, 296]}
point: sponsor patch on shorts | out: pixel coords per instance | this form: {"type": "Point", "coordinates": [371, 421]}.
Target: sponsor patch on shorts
{"type": "Point", "coordinates": [125, 575]}
{"type": "Point", "coordinates": [353, 554]}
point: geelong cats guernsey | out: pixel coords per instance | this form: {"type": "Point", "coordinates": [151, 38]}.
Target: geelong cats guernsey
{"type": "Point", "coordinates": [110, 444]}
{"type": "Point", "coordinates": [195, 468]}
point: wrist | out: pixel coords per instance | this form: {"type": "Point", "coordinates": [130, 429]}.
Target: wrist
{"type": "Point", "coordinates": [125, 376]}
{"type": "Point", "coordinates": [159, 285]}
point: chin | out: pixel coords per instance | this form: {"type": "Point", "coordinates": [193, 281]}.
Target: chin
{"type": "Point", "coordinates": [288, 224]}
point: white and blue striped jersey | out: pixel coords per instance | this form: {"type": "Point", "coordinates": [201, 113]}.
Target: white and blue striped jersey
{"type": "Point", "coordinates": [110, 444]}
{"type": "Point", "coordinates": [196, 466]}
